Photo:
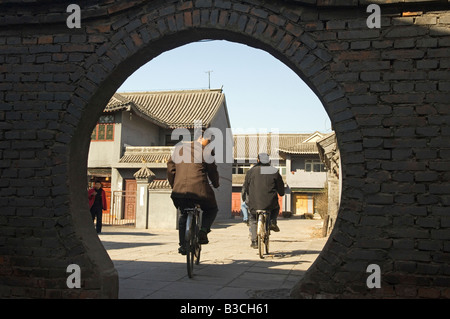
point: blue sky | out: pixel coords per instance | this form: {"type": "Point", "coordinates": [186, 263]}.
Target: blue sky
{"type": "Point", "coordinates": [261, 92]}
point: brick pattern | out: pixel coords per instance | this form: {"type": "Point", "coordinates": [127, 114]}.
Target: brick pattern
{"type": "Point", "coordinates": [386, 91]}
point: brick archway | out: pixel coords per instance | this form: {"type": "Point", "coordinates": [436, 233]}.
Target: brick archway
{"type": "Point", "coordinates": [290, 44]}
{"type": "Point", "coordinates": [394, 193]}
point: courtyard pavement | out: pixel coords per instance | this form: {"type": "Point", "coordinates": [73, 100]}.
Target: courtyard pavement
{"type": "Point", "coordinates": [150, 267]}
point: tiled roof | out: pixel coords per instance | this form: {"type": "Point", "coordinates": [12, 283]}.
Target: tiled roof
{"type": "Point", "coordinates": [327, 139]}
{"type": "Point", "coordinates": [117, 102]}
{"type": "Point", "coordinates": [301, 148]}
{"type": "Point", "coordinates": [144, 172]}
{"type": "Point", "coordinates": [171, 109]}
{"type": "Point", "coordinates": [159, 184]}
{"type": "Point", "coordinates": [146, 154]}
{"type": "Point", "coordinates": [247, 146]}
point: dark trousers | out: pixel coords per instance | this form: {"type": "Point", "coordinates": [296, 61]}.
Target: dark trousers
{"type": "Point", "coordinates": [253, 221]}
{"type": "Point", "coordinates": [97, 212]}
{"type": "Point", "coordinates": [208, 217]}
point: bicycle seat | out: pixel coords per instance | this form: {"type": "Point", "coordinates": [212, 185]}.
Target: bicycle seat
{"type": "Point", "coordinates": [188, 204]}
{"type": "Point", "coordinates": [190, 208]}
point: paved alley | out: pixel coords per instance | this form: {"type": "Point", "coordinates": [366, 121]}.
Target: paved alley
{"type": "Point", "coordinates": [149, 265]}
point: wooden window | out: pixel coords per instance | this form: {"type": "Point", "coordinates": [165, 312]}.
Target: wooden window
{"type": "Point", "coordinates": [314, 166]}
{"type": "Point", "coordinates": [104, 130]}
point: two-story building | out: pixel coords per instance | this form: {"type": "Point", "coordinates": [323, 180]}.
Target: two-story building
{"type": "Point", "coordinates": [134, 133]}
{"type": "Point", "coordinates": [297, 158]}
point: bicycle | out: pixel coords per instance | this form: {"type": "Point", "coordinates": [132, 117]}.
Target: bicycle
{"type": "Point", "coordinates": [193, 247]}
{"type": "Point", "coordinates": [263, 231]}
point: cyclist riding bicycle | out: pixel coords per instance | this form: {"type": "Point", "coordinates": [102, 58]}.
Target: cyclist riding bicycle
{"type": "Point", "coordinates": [188, 176]}
{"type": "Point", "coordinates": [263, 183]}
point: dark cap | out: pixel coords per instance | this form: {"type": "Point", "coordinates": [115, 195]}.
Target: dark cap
{"type": "Point", "coordinates": [264, 158]}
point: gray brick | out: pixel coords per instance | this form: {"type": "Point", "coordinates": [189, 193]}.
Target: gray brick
{"type": "Point", "coordinates": [428, 222]}
{"type": "Point", "coordinates": [358, 34]}
{"type": "Point", "coordinates": [405, 31]}
{"type": "Point", "coordinates": [386, 91]}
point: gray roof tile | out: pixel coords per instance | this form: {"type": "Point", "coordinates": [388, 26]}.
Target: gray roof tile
{"type": "Point", "coordinates": [171, 109]}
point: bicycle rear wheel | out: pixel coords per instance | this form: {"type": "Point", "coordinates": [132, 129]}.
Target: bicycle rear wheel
{"type": "Point", "coordinates": [198, 247]}
{"type": "Point", "coordinates": [190, 245]}
{"type": "Point", "coordinates": [261, 247]}
{"type": "Point", "coordinates": [261, 235]}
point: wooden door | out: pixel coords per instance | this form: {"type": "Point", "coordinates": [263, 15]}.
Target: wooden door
{"type": "Point", "coordinates": [235, 204]}
{"type": "Point", "coordinates": [107, 188]}
{"type": "Point", "coordinates": [130, 199]}
{"type": "Point", "coordinates": [301, 204]}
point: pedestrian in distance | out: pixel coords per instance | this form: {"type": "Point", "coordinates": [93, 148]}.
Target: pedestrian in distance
{"type": "Point", "coordinates": [97, 203]}
{"type": "Point", "coordinates": [244, 206]}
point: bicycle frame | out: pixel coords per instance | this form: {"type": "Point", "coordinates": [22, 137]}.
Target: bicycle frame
{"type": "Point", "coordinates": [193, 213]}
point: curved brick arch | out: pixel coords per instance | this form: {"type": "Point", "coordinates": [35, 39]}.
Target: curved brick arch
{"type": "Point", "coordinates": [253, 25]}
{"type": "Point", "coordinates": [394, 143]}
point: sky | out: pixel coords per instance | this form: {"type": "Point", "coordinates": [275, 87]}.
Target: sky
{"type": "Point", "coordinates": [261, 92]}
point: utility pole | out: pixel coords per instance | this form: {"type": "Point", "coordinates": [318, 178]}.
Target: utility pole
{"type": "Point", "coordinates": [209, 78]}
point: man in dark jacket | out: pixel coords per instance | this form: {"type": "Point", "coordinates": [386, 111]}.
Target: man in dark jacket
{"type": "Point", "coordinates": [263, 183]}
{"type": "Point", "coordinates": [188, 173]}
{"type": "Point", "coordinates": [97, 203]}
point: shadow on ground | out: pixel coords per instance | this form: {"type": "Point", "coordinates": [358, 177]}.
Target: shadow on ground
{"type": "Point", "coordinates": [121, 245]}
{"type": "Point", "coordinates": [149, 265]}
{"type": "Point", "coordinates": [239, 279]}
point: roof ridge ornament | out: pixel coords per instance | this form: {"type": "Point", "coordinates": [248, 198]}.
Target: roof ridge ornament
{"type": "Point", "coordinates": [144, 174]}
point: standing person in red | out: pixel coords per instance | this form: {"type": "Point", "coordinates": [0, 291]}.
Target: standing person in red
{"type": "Point", "coordinates": [97, 203]}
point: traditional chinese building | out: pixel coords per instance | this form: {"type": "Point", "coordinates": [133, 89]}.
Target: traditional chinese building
{"type": "Point", "coordinates": [297, 158]}
{"type": "Point", "coordinates": [135, 132]}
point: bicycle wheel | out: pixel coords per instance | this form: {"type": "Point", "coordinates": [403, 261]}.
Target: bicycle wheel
{"type": "Point", "coordinates": [266, 242]}
{"type": "Point", "coordinates": [261, 233]}
{"type": "Point", "coordinates": [190, 245]}
{"type": "Point", "coordinates": [198, 247]}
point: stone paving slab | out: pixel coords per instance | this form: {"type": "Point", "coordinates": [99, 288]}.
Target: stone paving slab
{"type": "Point", "coordinates": [150, 267]}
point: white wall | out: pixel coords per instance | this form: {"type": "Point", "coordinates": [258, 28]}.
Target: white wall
{"type": "Point", "coordinates": [302, 179]}
{"type": "Point", "coordinates": [223, 193]}
{"type": "Point", "coordinates": [105, 153]}
{"type": "Point", "coordinates": [138, 131]}
{"type": "Point", "coordinates": [161, 211]}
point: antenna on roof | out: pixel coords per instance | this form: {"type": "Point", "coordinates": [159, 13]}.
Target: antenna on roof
{"type": "Point", "coordinates": [209, 78]}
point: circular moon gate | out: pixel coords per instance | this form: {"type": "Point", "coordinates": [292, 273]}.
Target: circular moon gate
{"type": "Point", "coordinates": [385, 91]}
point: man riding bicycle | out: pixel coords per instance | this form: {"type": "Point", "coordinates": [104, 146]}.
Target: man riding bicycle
{"type": "Point", "coordinates": [188, 176]}
{"type": "Point", "coordinates": [263, 183]}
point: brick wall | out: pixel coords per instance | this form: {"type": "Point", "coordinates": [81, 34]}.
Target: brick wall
{"type": "Point", "coordinates": [386, 91]}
